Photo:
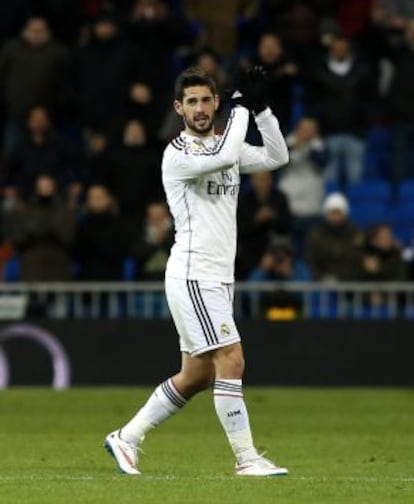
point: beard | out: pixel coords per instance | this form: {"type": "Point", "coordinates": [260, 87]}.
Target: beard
{"type": "Point", "coordinates": [200, 123]}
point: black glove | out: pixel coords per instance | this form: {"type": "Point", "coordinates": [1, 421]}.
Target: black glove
{"type": "Point", "coordinates": [253, 87]}
{"type": "Point", "coordinates": [259, 89]}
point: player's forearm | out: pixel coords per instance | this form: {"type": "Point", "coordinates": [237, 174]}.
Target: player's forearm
{"type": "Point", "coordinates": [275, 152]}
{"type": "Point", "coordinates": [227, 152]}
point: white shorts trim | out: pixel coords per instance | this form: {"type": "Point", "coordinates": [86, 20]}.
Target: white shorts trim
{"type": "Point", "coordinates": [202, 313]}
{"type": "Point", "coordinates": [212, 347]}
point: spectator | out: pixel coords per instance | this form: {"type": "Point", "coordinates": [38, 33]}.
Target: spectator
{"type": "Point", "coordinates": [65, 17]}
{"type": "Point", "coordinates": [282, 74]}
{"type": "Point", "coordinates": [104, 70]}
{"type": "Point", "coordinates": [277, 264]}
{"type": "Point", "coordinates": [42, 149]}
{"type": "Point", "coordinates": [134, 172]}
{"type": "Point", "coordinates": [153, 247]}
{"type": "Point", "coordinates": [209, 61]}
{"type": "Point", "coordinates": [392, 15]}
{"type": "Point", "coordinates": [382, 256]}
{"type": "Point", "coordinates": [249, 25]}
{"type": "Point", "coordinates": [42, 232]}
{"type": "Point", "coordinates": [382, 262]}
{"type": "Point", "coordinates": [354, 18]}
{"type": "Point", "coordinates": [333, 248]}
{"type": "Point", "coordinates": [97, 153]}
{"type": "Point", "coordinates": [157, 30]}
{"type": "Point", "coordinates": [263, 213]}
{"type": "Point", "coordinates": [401, 106]}
{"type": "Point", "coordinates": [343, 91]}
{"type": "Point", "coordinates": [102, 241]}
{"type": "Point", "coordinates": [297, 22]}
{"type": "Point", "coordinates": [303, 179]}
{"type": "Point", "coordinates": [32, 70]}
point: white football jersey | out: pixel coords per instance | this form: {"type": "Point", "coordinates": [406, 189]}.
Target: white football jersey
{"type": "Point", "coordinates": [201, 178]}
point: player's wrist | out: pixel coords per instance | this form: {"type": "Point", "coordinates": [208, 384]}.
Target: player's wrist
{"type": "Point", "coordinates": [238, 99]}
{"type": "Point", "coordinates": [264, 113]}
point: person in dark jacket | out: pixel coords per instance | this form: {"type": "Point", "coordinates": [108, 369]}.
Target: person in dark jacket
{"type": "Point", "coordinates": [42, 232]}
{"type": "Point", "coordinates": [382, 261]}
{"type": "Point", "coordinates": [277, 265]}
{"type": "Point", "coordinates": [102, 240]}
{"type": "Point", "coordinates": [263, 213]}
{"type": "Point", "coordinates": [157, 30]}
{"type": "Point", "coordinates": [42, 149]}
{"type": "Point", "coordinates": [133, 173]}
{"type": "Point", "coordinates": [282, 73]}
{"type": "Point", "coordinates": [333, 249]}
{"type": "Point", "coordinates": [401, 106]}
{"type": "Point", "coordinates": [382, 256]}
{"type": "Point", "coordinates": [344, 92]}
{"type": "Point", "coordinates": [104, 70]}
{"type": "Point", "coordinates": [32, 70]}
{"type": "Point", "coordinates": [153, 246]}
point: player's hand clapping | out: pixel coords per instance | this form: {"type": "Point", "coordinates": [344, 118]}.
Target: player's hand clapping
{"type": "Point", "coordinates": [252, 90]}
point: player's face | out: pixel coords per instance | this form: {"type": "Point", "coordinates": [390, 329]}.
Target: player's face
{"type": "Point", "coordinates": [198, 109]}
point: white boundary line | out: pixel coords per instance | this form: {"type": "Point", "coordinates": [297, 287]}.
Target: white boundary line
{"type": "Point", "coordinates": [321, 479]}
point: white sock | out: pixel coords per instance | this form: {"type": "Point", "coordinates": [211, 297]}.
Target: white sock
{"type": "Point", "coordinates": [163, 403]}
{"type": "Point", "coordinates": [232, 412]}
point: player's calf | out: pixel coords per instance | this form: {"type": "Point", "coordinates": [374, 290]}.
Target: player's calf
{"type": "Point", "coordinates": [232, 413]}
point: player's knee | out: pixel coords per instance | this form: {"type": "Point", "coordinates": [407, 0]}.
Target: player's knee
{"type": "Point", "coordinates": [229, 362]}
{"type": "Point", "coordinates": [191, 383]}
{"type": "Point", "coordinates": [204, 382]}
{"type": "Point", "coordinates": [236, 365]}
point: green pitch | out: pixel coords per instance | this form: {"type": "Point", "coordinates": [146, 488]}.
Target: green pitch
{"type": "Point", "coordinates": [341, 446]}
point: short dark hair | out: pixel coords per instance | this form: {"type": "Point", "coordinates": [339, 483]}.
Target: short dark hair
{"type": "Point", "coordinates": [193, 76]}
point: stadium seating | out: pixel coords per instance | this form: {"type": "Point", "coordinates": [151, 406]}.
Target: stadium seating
{"type": "Point", "coordinates": [402, 217]}
{"type": "Point", "coordinates": [11, 272]}
{"type": "Point", "coordinates": [406, 191]}
{"type": "Point", "coordinates": [403, 214]}
{"type": "Point", "coordinates": [377, 191]}
{"type": "Point", "coordinates": [377, 160]}
{"type": "Point", "coordinates": [404, 234]}
{"type": "Point", "coordinates": [366, 214]}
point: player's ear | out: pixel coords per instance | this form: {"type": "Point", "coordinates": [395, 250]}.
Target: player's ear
{"type": "Point", "coordinates": [178, 106]}
{"type": "Point", "coordinates": [216, 102]}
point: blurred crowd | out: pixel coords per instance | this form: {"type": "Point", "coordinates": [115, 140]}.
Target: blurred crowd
{"type": "Point", "coordinates": [86, 93]}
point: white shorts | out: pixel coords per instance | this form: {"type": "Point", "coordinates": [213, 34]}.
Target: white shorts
{"type": "Point", "coordinates": [202, 313]}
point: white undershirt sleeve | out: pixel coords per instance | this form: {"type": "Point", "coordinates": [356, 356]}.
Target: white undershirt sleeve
{"type": "Point", "coordinates": [192, 162]}
{"type": "Point", "coordinates": [274, 152]}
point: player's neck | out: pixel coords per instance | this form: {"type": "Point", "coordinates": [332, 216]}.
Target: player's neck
{"type": "Point", "coordinates": [191, 132]}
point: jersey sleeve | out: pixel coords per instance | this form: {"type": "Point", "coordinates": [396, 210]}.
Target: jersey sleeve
{"type": "Point", "coordinates": [274, 152]}
{"type": "Point", "coordinates": [190, 162]}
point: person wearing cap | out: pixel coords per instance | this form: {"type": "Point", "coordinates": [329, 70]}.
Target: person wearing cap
{"type": "Point", "coordinates": [333, 249]}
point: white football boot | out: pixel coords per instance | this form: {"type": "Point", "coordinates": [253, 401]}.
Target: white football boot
{"type": "Point", "coordinates": [124, 453]}
{"type": "Point", "coordinates": [260, 466]}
